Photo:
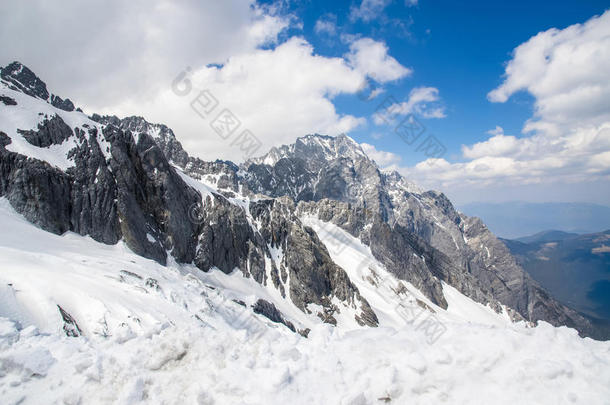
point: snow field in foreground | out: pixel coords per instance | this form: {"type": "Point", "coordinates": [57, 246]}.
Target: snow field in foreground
{"type": "Point", "coordinates": [181, 339]}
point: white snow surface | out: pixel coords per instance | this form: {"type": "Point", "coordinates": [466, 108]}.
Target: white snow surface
{"type": "Point", "coordinates": [27, 114]}
{"type": "Point", "coordinates": [187, 342]}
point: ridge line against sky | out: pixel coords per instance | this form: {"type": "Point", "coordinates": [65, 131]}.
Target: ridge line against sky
{"type": "Point", "coordinates": [518, 94]}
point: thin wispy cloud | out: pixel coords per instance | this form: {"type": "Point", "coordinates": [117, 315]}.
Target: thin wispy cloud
{"type": "Point", "coordinates": [326, 24]}
{"type": "Point", "coordinates": [422, 101]}
{"type": "Point", "coordinates": [368, 10]}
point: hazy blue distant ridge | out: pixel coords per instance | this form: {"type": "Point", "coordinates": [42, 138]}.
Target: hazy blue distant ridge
{"type": "Point", "coordinates": [519, 219]}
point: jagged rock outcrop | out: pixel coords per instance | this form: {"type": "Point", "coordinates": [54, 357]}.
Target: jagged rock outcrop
{"type": "Point", "coordinates": [51, 131]}
{"type": "Point", "coordinates": [269, 311]}
{"type": "Point", "coordinates": [18, 77]}
{"type": "Point", "coordinates": [221, 174]}
{"type": "Point", "coordinates": [71, 328]}
{"type": "Point", "coordinates": [7, 100]}
{"type": "Point", "coordinates": [40, 192]}
{"type": "Point", "coordinates": [62, 104]}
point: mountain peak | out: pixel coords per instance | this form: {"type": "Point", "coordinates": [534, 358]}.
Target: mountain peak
{"type": "Point", "coordinates": [315, 149]}
{"type": "Point", "coordinates": [548, 236]}
{"type": "Point", "coordinates": [332, 143]}
{"type": "Point", "coordinates": [19, 77]}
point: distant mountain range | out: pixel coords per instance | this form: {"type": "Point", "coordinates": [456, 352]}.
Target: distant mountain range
{"type": "Point", "coordinates": [513, 220]}
{"type": "Point", "coordinates": [573, 268]}
{"type": "Point", "coordinates": [130, 181]}
{"type": "Point", "coordinates": [547, 236]}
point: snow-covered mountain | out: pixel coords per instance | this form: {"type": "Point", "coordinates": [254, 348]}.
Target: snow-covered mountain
{"type": "Point", "coordinates": [132, 271]}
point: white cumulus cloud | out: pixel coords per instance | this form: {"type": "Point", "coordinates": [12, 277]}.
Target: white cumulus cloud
{"type": "Point", "coordinates": [100, 53]}
{"type": "Point", "coordinates": [109, 62]}
{"type": "Point", "coordinates": [382, 158]}
{"type": "Point", "coordinates": [371, 58]}
{"type": "Point", "coordinates": [422, 101]}
{"type": "Point", "coordinates": [278, 94]}
{"type": "Point", "coordinates": [567, 140]}
{"type": "Point", "coordinates": [567, 72]}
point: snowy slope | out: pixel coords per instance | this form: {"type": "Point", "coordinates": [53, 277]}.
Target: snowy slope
{"type": "Point", "coordinates": [388, 295]}
{"type": "Point", "coordinates": [182, 339]}
{"type": "Point", "coordinates": [28, 113]}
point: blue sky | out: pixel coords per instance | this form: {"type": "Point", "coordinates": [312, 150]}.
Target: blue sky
{"type": "Point", "coordinates": [517, 92]}
{"type": "Point", "coordinates": [460, 48]}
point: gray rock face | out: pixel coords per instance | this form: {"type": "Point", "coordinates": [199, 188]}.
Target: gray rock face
{"type": "Point", "coordinates": [20, 78]}
{"type": "Point", "coordinates": [58, 102]}
{"type": "Point", "coordinates": [93, 191]}
{"type": "Point", "coordinates": [227, 241]}
{"type": "Point", "coordinates": [37, 190]}
{"type": "Point", "coordinates": [268, 310]}
{"type": "Point", "coordinates": [52, 131]}
{"type": "Point", "coordinates": [221, 174]}
{"type": "Point", "coordinates": [152, 200]}
{"type": "Point", "coordinates": [7, 100]}
{"type": "Point", "coordinates": [134, 195]}
{"type": "Point", "coordinates": [312, 275]}
{"type": "Point", "coordinates": [71, 328]}
{"type": "Point", "coordinates": [402, 252]}
{"type": "Point", "coordinates": [512, 285]}
{"type": "Point", "coordinates": [290, 177]}
{"type": "Point", "coordinates": [4, 140]}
